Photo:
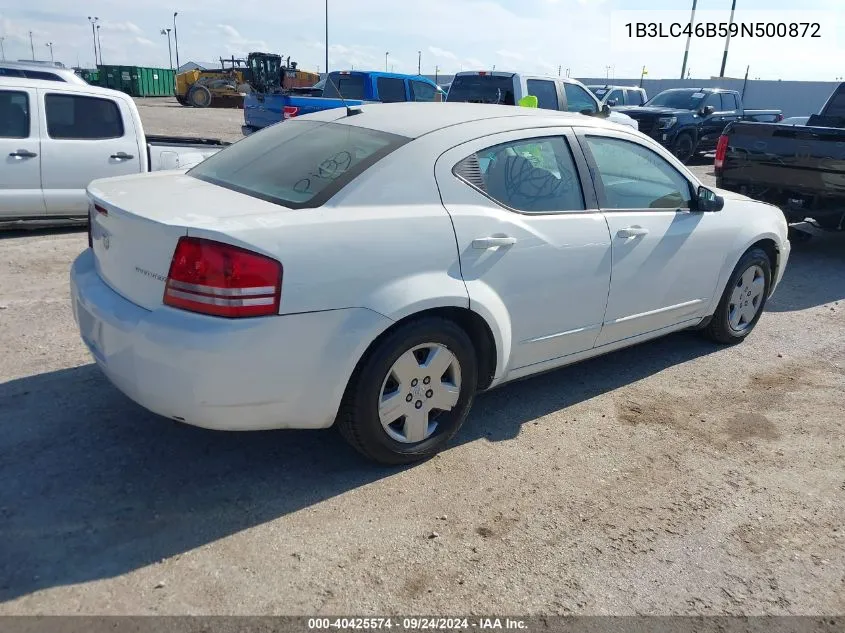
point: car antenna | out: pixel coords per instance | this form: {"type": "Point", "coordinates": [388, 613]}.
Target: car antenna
{"type": "Point", "coordinates": [350, 110]}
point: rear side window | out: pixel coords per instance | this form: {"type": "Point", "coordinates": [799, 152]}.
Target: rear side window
{"type": "Point", "coordinates": [297, 163]}
{"type": "Point", "coordinates": [482, 89]}
{"type": "Point", "coordinates": [836, 105]}
{"type": "Point", "coordinates": [37, 74]}
{"type": "Point", "coordinates": [11, 72]}
{"type": "Point", "coordinates": [391, 90]}
{"type": "Point", "coordinates": [635, 97]}
{"type": "Point", "coordinates": [577, 99]}
{"type": "Point", "coordinates": [545, 91]}
{"type": "Point", "coordinates": [86, 118]}
{"type": "Point", "coordinates": [14, 114]}
{"type": "Point", "coordinates": [421, 91]}
{"type": "Point", "coordinates": [347, 86]}
{"type": "Point", "coordinates": [535, 175]}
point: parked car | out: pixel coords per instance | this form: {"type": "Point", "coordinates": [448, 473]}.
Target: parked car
{"type": "Point", "coordinates": [57, 137]}
{"type": "Point", "coordinates": [619, 95]}
{"type": "Point", "coordinates": [800, 168]}
{"type": "Point", "coordinates": [375, 270]}
{"type": "Point", "coordinates": [34, 70]}
{"type": "Point", "coordinates": [689, 120]}
{"type": "Point", "coordinates": [350, 87]}
{"type": "Point", "coordinates": [553, 93]}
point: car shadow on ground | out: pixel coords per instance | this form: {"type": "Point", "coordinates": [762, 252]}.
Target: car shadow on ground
{"type": "Point", "coordinates": [41, 229]}
{"type": "Point", "coordinates": [815, 274]}
{"type": "Point", "coordinates": [94, 486]}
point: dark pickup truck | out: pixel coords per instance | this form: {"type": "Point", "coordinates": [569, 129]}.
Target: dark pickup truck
{"type": "Point", "coordinates": [799, 168]}
{"type": "Point", "coordinates": [689, 120]}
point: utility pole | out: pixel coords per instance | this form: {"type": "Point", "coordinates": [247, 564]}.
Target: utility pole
{"type": "Point", "coordinates": [2, 50]}
{"type": "Point", "coordinates": [728, 41]}
{"type": "Point", "coordinates": [169, 51]}
{"type": "Point", "coordinates": [175, 40]}
{"type": "Point", "coordinates": [419, 62]}
{"type": "Point", "coordinates": [327, 38]}
{"type": "Point", "coordinates": [559, 69]}
{"type": "Point", "coordinates": [99, 45]}
{"type": "Point", "coordinates": [385, 60]}
{"type": "Point", "coordinates": [607, 72]}
{"type": "Point", "coordinates": [93, 21]}
{"type": "Point", "coordinates": [50, 46]}
{"type": "Point", "coordinates": [436, 73]}
{"type": "Point", "coordinates": [689, 39]}
{"type": "Point", "coordinates": [31, 46]}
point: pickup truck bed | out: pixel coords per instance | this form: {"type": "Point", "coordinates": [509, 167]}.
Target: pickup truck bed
{"type": "Point", "coordinates": [178, 152]}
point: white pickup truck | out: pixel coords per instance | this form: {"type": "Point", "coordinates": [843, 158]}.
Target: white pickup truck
{"type": "Point", "coordinates": [55, 138]}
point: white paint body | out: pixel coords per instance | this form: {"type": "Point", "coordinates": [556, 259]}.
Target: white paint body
{"type": "Point", "coordinates": [396, 241]}
{"type": "Point", "coordinates": [51, 183]}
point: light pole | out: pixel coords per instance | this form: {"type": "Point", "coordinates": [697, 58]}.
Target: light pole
{"type": "Point", "coordinates": [99, 45]}
{"type": "Point", "coordinates": [689, 39]}
{"type": "Point", "coordinates": [176, 39]}
{"type": "Point", "coordinates": [386, 55]}
{"type": "Point", "coordinates": [728, 41]}
{"type": "Point", "coordinates": [169, 51]}
{"type": "Point", "coordinates": [419, 62]}
{"type": "Point", "coordinates": [93, 21]}
{"type": "Point", "coordinates": [31, 46]}
{"type": "Point", "coordinates": [50, 46]}
{"type": "Point", "coordinates": [2, 51]}
{"type": "Point", "coordinates": [327, 38]}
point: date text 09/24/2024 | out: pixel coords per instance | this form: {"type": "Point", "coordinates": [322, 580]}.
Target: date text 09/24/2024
{"type": "Point", "coordinates": [723, 29]}
{"type": "Point", "coordinates": [416, 624]}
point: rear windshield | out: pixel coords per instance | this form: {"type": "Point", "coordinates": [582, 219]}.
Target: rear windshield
{"type": "Point", "coordinates": [297, 163]}
{"type": "Point", "coordinates": [482, 89]}
{"type": "Point", "coordinates": [350, 87]}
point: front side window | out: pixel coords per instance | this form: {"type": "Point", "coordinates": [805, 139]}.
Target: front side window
{"type": "Point", "coordinates": [391, 90]}
{"type": "Point", "coordinates": [635, 177]}
{"type": "Point", "coordinates": [14, 114]}
{"type": "Point", "coordinates": [577, 99]}
{"type": "Point", "coordinates": [85, 118]}
{"type": "Point", "coordinates": [535, 175]}
{"type": "Point", "coordinates": [298, 163]}
{"type": "Point", "coordinates": [715, 100]}
{"type": "Point", "coordinates": [615, 98]}
{"type": "Point", "coordinates": [422, 91]}
{"type": "Point", "coordinates": [545, 91]}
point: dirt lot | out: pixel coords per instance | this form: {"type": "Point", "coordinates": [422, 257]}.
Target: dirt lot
{"type": "Point", "coordinates": [675, 477]}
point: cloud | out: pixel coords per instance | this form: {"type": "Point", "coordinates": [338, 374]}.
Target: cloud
{"type": "Point", "coordinates": [143, 41]}
{"type": "Point", "coordinates": [510, 54]}
{"type": "Point", "coordinates": [439, 52]}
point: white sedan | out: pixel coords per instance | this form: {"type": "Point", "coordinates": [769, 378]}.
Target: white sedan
{"type": "Point", "coordinates": [375, 268]}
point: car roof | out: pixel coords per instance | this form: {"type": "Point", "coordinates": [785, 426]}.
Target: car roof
{"type": "Point", "coordinates": [507, 73]}
{"type": "Point", "coordinates": [57, 86]}
{"type": "Point", "coordinates": [416, 119]}
{"type": "Point", "coordinates": [614, 86]}
{"type": "Point", "coordinates": [381, 73]}
{"type": "Point", "coordinates": [66, 74]}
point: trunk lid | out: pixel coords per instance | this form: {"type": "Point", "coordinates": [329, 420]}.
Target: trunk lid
{"type": "Point", "coordinates": [138, 220]}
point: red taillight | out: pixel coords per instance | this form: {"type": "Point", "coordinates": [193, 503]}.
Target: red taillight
{"type": "Point", "coordinates": [721, 152]}
{"type": "Point", "coordinates": [222, 280]}
{"type": "Point", "coordinates": [290, 111]}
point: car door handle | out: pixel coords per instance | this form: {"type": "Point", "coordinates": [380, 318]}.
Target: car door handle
{"type": "Point", "coordinates": [122, 156]}
{"type": "Point", "coordinates": [483, 243]}
{"type": "Point", "coordinates": [23, 153]}
{"type": "Point", "coordinates": [631, 231]}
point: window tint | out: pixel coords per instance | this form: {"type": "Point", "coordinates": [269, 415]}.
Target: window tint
{"type": "Point", "coordinates": [635, 97]}
{"type": "Point", "coordinates": [37, 74]}
{"type": "Point", "coordinates": [391, 90]}
{"type": "Point", "coordinates": [535, 175]}
{"type": "Point", "coordinates": [577, 99]}
{"type": "Point", "coordinates": [14, 114]}
{"type": "Point", "coordinates": [349, 86]}
{"type": "Point", "coordinates": [616, 95]}
{"type": "Point", "coordinates": [635, 177]}
{"type": "Point", "coordinates": [482, 89]}
{"type": "Point", "coordinates": [713, 99]}
{"type": "Point", "coordinates": [298, 164]}
{"type": "Point", "coordinates": [546, 93]}
{"type": "Point", "coordinates": [421, 91]}
{"type": "Point", "coordinates": [75, 117]}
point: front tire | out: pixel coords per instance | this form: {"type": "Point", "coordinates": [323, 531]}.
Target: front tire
{"type": "Point", "coordinates": [411, 393]}
{"type": "Point", "coordinates": [684, 147]}
{"type": "Point", "coordinates": [743, 301]}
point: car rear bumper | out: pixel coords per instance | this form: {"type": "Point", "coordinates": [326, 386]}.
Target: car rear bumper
{"type": "Point", "coordinates": [286, 371]}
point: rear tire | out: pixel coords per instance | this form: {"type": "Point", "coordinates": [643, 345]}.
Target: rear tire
{"type": "Point", "coordinates": [743, 300]}
{"type": "Point", "coordinates": [684, 147]}
{"type": "Point", "coordinates": [389, 412]}
{"type": "Point", "coordinates": [199, 97]}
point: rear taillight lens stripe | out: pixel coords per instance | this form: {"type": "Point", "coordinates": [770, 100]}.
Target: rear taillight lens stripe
{"type": "Point", "coordinates": [721, 152]}
{"type": "Point", "coordinates": [220, 279]}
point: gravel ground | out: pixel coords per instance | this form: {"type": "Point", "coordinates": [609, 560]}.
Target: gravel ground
{"type": "Point", "coordinates": [676, 477]}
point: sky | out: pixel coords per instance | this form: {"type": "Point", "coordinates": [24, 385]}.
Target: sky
{"type": "Point", "coordinates": [542, 36]}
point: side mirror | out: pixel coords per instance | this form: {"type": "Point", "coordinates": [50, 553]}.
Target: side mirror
{"type": "Point", "coordinates": [605, 110]}
{"type": "Point", "coordinates": [708, 201]}
{"type": "Point", "coordinates": [707, 110]}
